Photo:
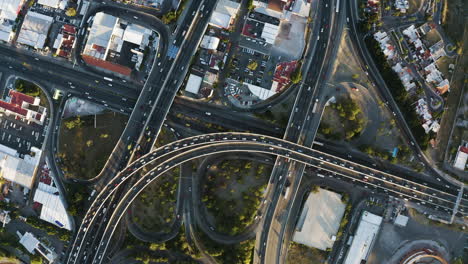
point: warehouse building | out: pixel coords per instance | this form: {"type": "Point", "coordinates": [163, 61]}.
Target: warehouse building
{"type": "Point", "coordinates": [35, 29]}
{"type": "Point", "coordinates": [19, 170]}
{"type": "Point", "coordinates": [320, 220]}
{"type": "Point", "coordinates": [9, 10]}
{"type": "Point", "coordinates": [364, 238]}
{"type": "Point", "coordinates": [52, 209]}
{"type": "Point", "coordinates": [224, 13]}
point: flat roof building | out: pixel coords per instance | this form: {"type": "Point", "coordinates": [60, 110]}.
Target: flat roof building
{"type": "Point", "coordinates": [224, 13]}
{"type": "Point", "coordinates": [461, 158]}
{"type": "Point", "coordinates": [32, 244]}
{"type": "Point", "coordinates": [401, 220]}
{"type": "Point", "coordinates": [364, 238]}
{"type": "Point", "coordinates": [193, 84]}
{"type": "Point", "coordinates": [320, 219]}
{"type": "Point", "coordinates": [50, 3]}
{"type": "Point", "coordinates": [209, 42]}
{"type": "Point", "coordinates": [53, 209]}
{"type": "Point", "coordinates": [9, 9]}
{"type": "Point", "coordinates": [19, 170]}
{"type": "Point", "coordinates": [100, 35]}
{"type": "Point", "coordinates": [114, 44]}
{"type": "Point", "coordinates": [35, 29]}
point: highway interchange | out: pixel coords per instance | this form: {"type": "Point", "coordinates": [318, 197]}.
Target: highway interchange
{"type": "Point", "coordinates": [149, 106]}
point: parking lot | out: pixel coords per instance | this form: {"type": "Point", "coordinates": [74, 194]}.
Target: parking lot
{"type": "Point", "coordinates": [18, 135]}
{"type": "Point", "coordinates": [253, 67]}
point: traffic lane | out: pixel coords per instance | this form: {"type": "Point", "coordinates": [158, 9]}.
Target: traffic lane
{"type": "Point", "coordinates": [333, 150]}
{"type": "Point", "coordinates": [63, 75]}
{"type": "Point", "coordinates": [286, 154]}
{"type": "Point", "coordinates": [136, 189]}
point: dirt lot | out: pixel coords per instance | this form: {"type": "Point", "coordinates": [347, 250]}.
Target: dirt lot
{"type": "Point", "coordinates": [432, 37]}
{"type": "Point", "coordinates": [84, 149]}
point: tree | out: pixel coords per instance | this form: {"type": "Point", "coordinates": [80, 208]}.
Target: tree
{"type": "Point", "coordinates": [250, 5]}
{"type": "Point", "coordinates": [71, 12]}
{"type": "Point", "coordinates": [296, 76]}
{"type": "Point", "coordinates": [315, 189]}
{"type": "Point", "coordinates": [252, 65]}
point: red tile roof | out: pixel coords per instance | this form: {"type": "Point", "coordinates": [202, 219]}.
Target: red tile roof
{"type": "Point", "coordinates": [107, 65]}
{"type": "Point", "coordinates": [464, 149]}
{"type": "Point", "coordinates": [18, 98]}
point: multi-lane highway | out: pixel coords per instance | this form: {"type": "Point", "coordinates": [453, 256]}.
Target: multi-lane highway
{"type": "Point", "coordinates": [165, 158]}
{"type": "Point", "coordinates": [149, 106]}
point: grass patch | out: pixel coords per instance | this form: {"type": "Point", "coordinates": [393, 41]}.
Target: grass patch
{"type": "Point", "coordinates": [232, 192]}
{"type": "Point", "coordinates": [83, 149]}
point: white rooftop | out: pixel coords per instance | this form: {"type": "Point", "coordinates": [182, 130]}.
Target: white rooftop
{"type": "Point", "coordinates": [53, 209]}
{"type": "Point", "coordinates": [320, 219]}
{"type": "Point", "coordinates": [136, 34]}
{"type": "Point", "coordinates": [9, 9]}
{"type": "Point", "coordinates": [17, 170]}
{"type": "Point", "coordinates": [224, 12]}
{"type": "Point", "coordinates": [461, 158]}
{"type": "Point", "coordinates": [227, 7]}
{"type": "Point", "coordinates": [101, 30]}
{"type": "Point", "coordinates": [364, 238]}
{"type": "Point", "coordinates": [29, 241]}
{"type": "Point", "coordinates": [401, 220]}
{"type": "Point", "coordinates": [270, 32]}
{"type": "Point", "coordinates": [51, 3]}
{"type": "Point", "coordinates": [35, 29]}
{"type": "Point", "coordinates": [220, 20]}
{"type": "Point", "coordinates": [209, 42]}
{"type": "Point", "coordinates": [193, 84]}
{"type": "Point", "coordinates": [301, 8]}
{"type": "Point", "coordinates": [260, 92]}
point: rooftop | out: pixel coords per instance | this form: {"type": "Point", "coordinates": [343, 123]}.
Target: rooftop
{"type": "Point", "coordinates": [364, 238]}
{"type": "Point", "coordinates": [321, 216]}
{"type": "Point", "coordinates": [35, 29]}
{"type": "Point", "coordinates": [9, 9]}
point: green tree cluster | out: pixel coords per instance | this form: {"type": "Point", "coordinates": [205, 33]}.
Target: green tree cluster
{"type": "Point", "coordinates": [74, 123]}
{"type": "Point", "coordinates": [51, 229]}
{"type": "Point", "coordinates": [296, 75]}
{"type": "Point", "coordinates": [27, 88]}
{"type": "Point", "coordinates": [230, 217]}
{"type": "Point", "coordinates": [77, 195]}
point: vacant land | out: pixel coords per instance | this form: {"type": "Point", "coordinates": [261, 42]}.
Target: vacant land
{"type": "Point", "coordinates": [84, 148]}
{"type": "Point", "coordinates": [154, 208]}
{"type": "Point", "coordinates": [453, 20]}
{"type": "Point", "coordinates": [232, 192]}
{"type": "Point", "coordinates": [299, 253]}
